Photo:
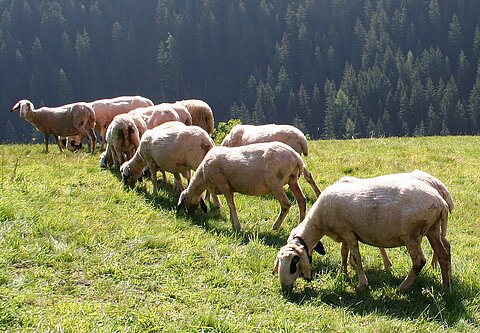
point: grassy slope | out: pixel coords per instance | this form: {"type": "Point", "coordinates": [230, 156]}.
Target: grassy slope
{"type": "Point", "coordinates": [79, 253]}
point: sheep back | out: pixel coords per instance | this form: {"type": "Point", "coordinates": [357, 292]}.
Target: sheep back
{"type": "Point", "coordinates": [381, 212]}
{"type": "Point", "coordinates": [202, 114]}
{"type": "Point", "coordinates": [107, 109]}
{"type": "Point", "coordinates": [156, 115]}
{"type": "Point", "coordinates": [247, 134]}
{"type": "Point", "coordinates": [252, 170]}
{"type": "Point", "coordinates": [64, 121]}
{"type": "Point", "coordinates": [174, 147]}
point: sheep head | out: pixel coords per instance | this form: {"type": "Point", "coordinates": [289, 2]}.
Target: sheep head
{"type": "Point", "coordinates": [24, 106]}
{"type": "Point", "coordinates": [292, 261]}
{"type": "Point", "coordinates": [190, 202]}
{"type": "Point", "coordinates": [128, 176]}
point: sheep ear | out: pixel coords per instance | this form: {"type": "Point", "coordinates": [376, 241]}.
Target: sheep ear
{"type": "Point", "coordinates": [275, 267]}
{"type": "Point", "coordinates": [319, 248]}
{"type": "Point", "coordinates": [306, 268]}
{"type": "Point", "coordinates": [203, 205]}
{"type": "Point", "coordinates": [15, 108]}
{"type": "Point", "coordinates": [181, 201]}
{"type": "Point", "coordinates": [293, 264]}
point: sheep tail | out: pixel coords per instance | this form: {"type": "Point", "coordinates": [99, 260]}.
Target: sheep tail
{"type": "Point", "coordinates": [443, 223]}
{"type": "Point", "coordinates": [304, 147]}
{"type": "Point", "coordinates": [91, 119]}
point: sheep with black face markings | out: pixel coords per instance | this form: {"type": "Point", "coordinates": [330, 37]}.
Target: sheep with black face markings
{"type": "Point", "coordinates": [241, 135]}
{"type": "Point", "coordinates": [72, 119]}
{"type": "Point", "coordinates": [383, 212]}
{"type": "Point", "coordinates": [416, 174]}
{"type": "Point", "coordinates": [256, 169]}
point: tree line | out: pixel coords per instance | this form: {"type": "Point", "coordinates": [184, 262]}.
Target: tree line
{"type": "Point", "coordinates": [334, 68]}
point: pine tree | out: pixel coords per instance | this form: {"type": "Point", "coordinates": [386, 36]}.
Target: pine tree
{"type": "Point", "coordinates": [474, 102]}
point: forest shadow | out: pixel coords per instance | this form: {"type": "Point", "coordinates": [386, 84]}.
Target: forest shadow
{"type": "Point", "coordinates": [425, 300]}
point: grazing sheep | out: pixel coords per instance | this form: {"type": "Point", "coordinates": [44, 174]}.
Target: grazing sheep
{"type": "Point", "coordinates": [156, 115]}
{"type": "Point", "coordinates": [382, 212]}
{"type": "Point", "coordinates": [201, 112]}
{"type": "Point", "coordinates": [183, 115]}
{"type": "Point", "coordinates": [72, 119]}
{"type": "Point", "coordinates": [256, 169]}
{"type": "Point", "coordinates": [416, 174]}
{"type": "Point", "coordinates": [105, 111]}
{"type": "Point", "coordinates": [123, 139]}
{"type": "Point", "coordinates": [172, 147]}
{"type": "Point", "coordinates": [241, 135]}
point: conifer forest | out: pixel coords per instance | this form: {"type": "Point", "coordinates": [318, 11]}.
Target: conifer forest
{"type": "Point", "coordinates": [334, 68]}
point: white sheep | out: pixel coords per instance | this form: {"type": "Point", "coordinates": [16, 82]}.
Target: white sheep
{"type": "Point", "coordinates": [172, 147]}
{"type": "Point", "coordinates": [72, 119]}
{"type": "Point", "coordinates": [416, 174]}
{"type": "Point", "coordinates": [382, 212]}
{"type": "Point", "coordinates": [201, 112]}
{"type": "Point", "coordinates": [156, 115]}
{"type": "Point", "coordinates": [256, 169]}
{"type": "Point", "coordinates": [123, 139]}
{"type": "Point", "coordinates": [105, 110]}
{"type": "Point", "coordinates": [241, 135]}
{"type": "Point", "coordinates": [183, 115]}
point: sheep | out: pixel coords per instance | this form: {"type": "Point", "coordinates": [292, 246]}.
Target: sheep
{"type": "Point", "coordinates": [201, 112]}
{"type": "Point", "coordinates": [416, 174]}
{"type": "Point", "coordinates": [172, 147]}
{"type": "Point", "coordinates": [183, 114]}
{"type": "Point", "coordinates": [382, 212]}
{"type": "Point", "coordinates": [123, 138]}
{"type": "Point", "coordinates": [105, 110]}
{"type": "Point", "coordinates": [72, 119]}
{"type": "Point", "coordinates": [241, 135]}
{"type": "Point", "coordinates": [156, 115]}
{"type": "Point", "coordinates": [256, 169]}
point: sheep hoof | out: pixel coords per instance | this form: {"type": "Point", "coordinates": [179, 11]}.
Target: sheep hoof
{"type": "Point", "coordinates": [362, 288]}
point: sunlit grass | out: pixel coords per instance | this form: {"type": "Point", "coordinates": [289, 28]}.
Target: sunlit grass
{"type": "Point", "coordinates": [80, 253]}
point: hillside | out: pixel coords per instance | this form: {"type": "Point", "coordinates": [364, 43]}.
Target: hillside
{"type": "Point", "coordinates": [80, 253]}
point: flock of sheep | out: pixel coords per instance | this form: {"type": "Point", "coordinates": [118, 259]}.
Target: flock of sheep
{"type": "Point", "coordinates": [142, 138]}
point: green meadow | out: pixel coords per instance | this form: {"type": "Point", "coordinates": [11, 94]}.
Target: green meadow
{"type": "Point", "coordinates": [80, 253]}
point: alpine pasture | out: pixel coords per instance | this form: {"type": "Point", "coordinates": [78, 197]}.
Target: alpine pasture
{"type": "Point", "coordinates": [81, 253]}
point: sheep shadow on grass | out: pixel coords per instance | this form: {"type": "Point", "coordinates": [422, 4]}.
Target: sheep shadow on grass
{"type": "Point", "coordinates": [425, 300]}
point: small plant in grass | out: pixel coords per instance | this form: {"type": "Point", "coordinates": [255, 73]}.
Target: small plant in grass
{"type": "Point", "coordinates": [223, 129]}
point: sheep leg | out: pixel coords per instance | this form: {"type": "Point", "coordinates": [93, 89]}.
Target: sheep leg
{"type": "Point", "coordinates": [153, 175]}
{"type": "Point", "coordinates": [443, 256]}
{"type": "Point", "coordinates": [301, 200]}
{"type": "Point", "coordinates": [164, 176]}
{"type": "Point", "coordinates": [434, 260]}
{"type": "Point", "coordinates": [119, 159]}
{"type": "Point", "coordinates": [233, 211]}
{"type": "Point", "coordinates": [58, 141]}
{"type": "Point", "coordinates": [344, 252]}
{"type": "Point", "coordinates": [177, 182]}
{"type": "Point", "coordinates": [103, 133]}
{"type": "Point", "coordinates": [311, 181]}
{"type": "Point", "coordinates": [92, 140]}
{"type": "Point", "coordinates": [355, 253]}
{"type": "Point", "coordinates": [387, 264]}
{"type": "Point", "coordinates": [285, 207]}
{"type": "Point", "coordinates": [418, 261]}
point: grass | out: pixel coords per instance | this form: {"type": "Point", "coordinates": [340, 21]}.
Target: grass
{"type": "Point", "coordinates": [79, 253]}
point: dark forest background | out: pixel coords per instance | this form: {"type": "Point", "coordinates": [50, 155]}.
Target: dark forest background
{"type": "Point", "coordinates": [334, 68]}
